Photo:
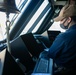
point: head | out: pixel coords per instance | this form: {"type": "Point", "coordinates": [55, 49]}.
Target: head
{"type": "Point", "coordinates": [67, 16]}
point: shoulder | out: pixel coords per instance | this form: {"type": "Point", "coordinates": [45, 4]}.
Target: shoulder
{"type": "Point", "coordinates": [62, 35]}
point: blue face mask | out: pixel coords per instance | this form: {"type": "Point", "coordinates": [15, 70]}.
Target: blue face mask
{"type": "Point", "coordinates": [64, 27]}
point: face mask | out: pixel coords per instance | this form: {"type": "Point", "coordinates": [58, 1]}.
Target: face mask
{"type": "Point", "coordinates": [64, 27]}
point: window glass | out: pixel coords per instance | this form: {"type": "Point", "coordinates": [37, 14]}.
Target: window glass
{"type": "Point", "coordinates": [38, 25]}
{"type": "Point", "coordinates": [35, 16]}
{"type": "Point", "coordinates": [19, 5]}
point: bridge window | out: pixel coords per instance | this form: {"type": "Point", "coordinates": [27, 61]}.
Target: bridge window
{"type": "Point", "coordinates": [37, 18]}
{"type": "Point", "coordinates": [12, 17]}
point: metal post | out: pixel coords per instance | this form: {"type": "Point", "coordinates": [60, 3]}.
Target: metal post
{"type": "Point", "coordinates": [7, 32]}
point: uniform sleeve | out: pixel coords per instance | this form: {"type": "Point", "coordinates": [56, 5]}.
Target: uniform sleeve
{"type": "Point", "coordinates": [57, 47]}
